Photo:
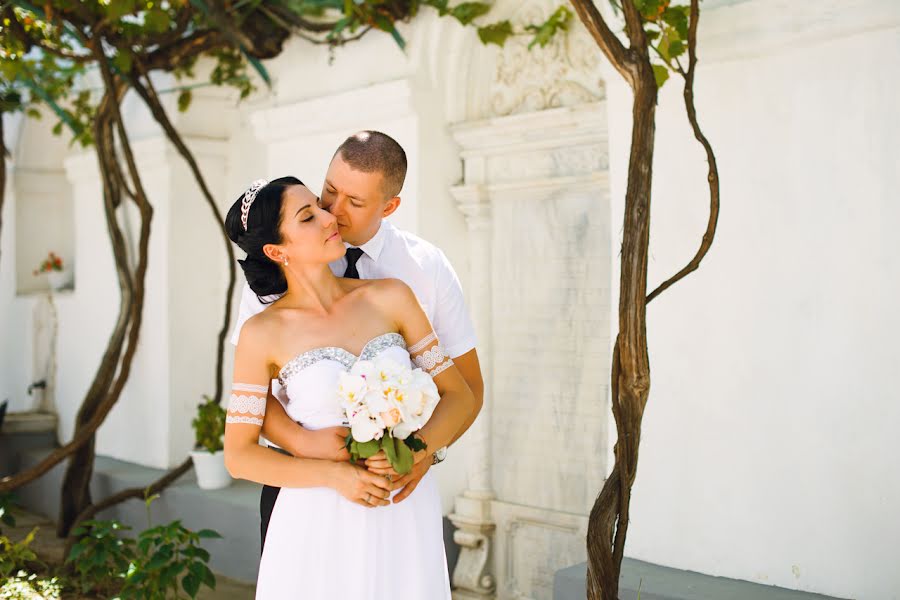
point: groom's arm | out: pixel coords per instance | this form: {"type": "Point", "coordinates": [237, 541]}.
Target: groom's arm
{"type": "Point", "coordinates": [454, 327]}
{"type": "Point", "coordinates": [289, 435]}
{"type": "Point", "coordinates": [470, 369]}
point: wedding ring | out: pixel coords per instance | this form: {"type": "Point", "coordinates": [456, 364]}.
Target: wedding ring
{"type": "Point", "coordinates": [368, 498]}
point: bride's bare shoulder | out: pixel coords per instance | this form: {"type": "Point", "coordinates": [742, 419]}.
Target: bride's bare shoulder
{"type": "Point", "coordinates": [258, 328]}
{"type": "Point", "coordinates": [391, 292]}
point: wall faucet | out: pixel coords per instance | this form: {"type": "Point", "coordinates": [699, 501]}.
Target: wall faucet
{"type": "Point", "coordinates": [40, 384]}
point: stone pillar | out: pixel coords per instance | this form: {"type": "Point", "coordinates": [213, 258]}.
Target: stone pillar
{"type": "Point", "coordinates": [472, 513]}
{"type": "Point", "coordinates": [535, 198]}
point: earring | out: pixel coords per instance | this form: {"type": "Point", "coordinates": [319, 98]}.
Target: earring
{"type": "Point", "coordinates": [285, 262]}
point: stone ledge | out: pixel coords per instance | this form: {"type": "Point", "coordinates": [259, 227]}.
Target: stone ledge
{"type": "Point", "coordinates": [664, 583]}
{"type": "Point", "coordinates": [29, 422]}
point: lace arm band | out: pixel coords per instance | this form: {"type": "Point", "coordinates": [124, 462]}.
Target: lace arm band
{"type": "Point", "coordinates": [247, 404]}
{"type": "Point", "coordinates": [428, 355]}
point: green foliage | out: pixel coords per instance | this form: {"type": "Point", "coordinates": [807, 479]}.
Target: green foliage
{"type": "Point", "coordinates": [497, 33]}
{"type": "Point", "coordinates": [400, 453]}
{"type": "Point", "coordinates": [16, 555]}
{"type": "Point", "coordinates": [661, 73]}
{"type": "Point", "coordinates": [102, 556]}
{"type": "Point", "coordinates": [153, 566]}
{"type": "Point", "coordinates": [46, 48]}
{"type": "Point", "coordinates": [7, 503]}
{"type": "Point", "coordinates": [164, 554]}
{"type": "Point", "coordinates": [209, 425]}
{"type": "Point", "coordinates": [544, 33]}
{"type": "Point", "coordinates": [184, 100]}
{"type": "Point", "coordinates": [666, 24]}
{"type": "Point", "coordinates": [25, 586]}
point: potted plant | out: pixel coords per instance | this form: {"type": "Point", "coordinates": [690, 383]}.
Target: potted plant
{"type": "Point", "coordinates": [209, 451]}
{"type": "Point", "coordinates": [58, 275]}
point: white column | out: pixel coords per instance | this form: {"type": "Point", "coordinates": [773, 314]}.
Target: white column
{"type": "Point", "coordinates": [472, 514]}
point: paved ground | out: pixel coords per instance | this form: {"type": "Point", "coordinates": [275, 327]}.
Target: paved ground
{"type": "Point", "coordinates": [50, 548]}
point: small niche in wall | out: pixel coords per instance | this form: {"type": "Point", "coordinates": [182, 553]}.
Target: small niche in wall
{"type": "Point", "coordinates": [44, 225]}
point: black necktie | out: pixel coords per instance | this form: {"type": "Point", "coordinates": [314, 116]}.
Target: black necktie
{"type": "Point", "coordinates": [353, 255]}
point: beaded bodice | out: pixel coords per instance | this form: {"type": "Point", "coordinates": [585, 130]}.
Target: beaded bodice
{"type": "Point", "coordinates": [310, 379]}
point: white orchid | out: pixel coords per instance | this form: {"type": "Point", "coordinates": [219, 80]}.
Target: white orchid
{"type": "Point", "coordinates": [384, 399]}
{"type": "Point", "coordinates": [364, 426]}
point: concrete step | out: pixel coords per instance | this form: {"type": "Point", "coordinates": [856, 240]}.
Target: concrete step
{"type": "Point", "coordinates": [232, 511]}
{"type": "Point", "coordinates": [663, 583]}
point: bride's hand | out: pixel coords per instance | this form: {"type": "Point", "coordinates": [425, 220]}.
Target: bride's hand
{"type": "Point", "coordinates": [362, 487]}
{"type": "Point", "coordinates": [327, 443]}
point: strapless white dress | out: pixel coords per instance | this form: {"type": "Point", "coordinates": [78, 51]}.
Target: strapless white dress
{"type": "Point", "coordinates": [321, 546]}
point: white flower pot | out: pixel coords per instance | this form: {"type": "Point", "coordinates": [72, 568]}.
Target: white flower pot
{"type": "Point", "coordinates": [210, 468]}
{"type": "Point", "coordinates": [59, 279]}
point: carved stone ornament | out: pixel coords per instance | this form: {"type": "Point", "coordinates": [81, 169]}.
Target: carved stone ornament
{"type": "Point", "coordinates": [564, 73]}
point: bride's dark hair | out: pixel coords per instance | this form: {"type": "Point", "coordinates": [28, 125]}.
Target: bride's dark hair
{"type": "Point", "coordinates": [264, 276]}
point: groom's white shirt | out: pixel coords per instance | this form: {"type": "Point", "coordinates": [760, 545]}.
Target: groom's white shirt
{"type": "Point", "coordinates": [421, 265]}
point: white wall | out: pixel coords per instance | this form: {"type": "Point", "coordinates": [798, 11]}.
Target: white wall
{"type": "Point", "coordinates": [769, 448]}
{"type": "Point", "coordinates": [15, 341]}
{"type": "Point", "coordinates": [769, 451]}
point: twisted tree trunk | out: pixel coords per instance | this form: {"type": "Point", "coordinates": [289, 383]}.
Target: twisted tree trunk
{"type": "Point", "coordinates": [630, 383]}
{"type": "Point", "coordinates": [630, 377]}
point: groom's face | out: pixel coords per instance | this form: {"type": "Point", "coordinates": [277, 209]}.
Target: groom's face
{"type": "Point", "coordinates": [356, 199]}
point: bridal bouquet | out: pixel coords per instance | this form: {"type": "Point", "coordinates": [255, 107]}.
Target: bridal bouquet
{"type": "Point", "coordinates": [385, 403]}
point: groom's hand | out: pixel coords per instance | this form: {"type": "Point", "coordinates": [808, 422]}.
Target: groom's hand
{"type": "Point", "coordinates": [379, 464]}
{"type": "Point", "coordinates": [328, 444]}
{"type": "Point", "coordinates": [409, 481]}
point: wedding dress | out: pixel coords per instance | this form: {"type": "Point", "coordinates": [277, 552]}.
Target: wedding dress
{"type": "Point", "coordinates": [319, 545]}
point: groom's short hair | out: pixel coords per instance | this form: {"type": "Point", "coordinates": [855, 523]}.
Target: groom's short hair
{"type": "Point", "coordinates": [371, 151]}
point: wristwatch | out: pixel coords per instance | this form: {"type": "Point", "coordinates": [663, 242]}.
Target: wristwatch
{"type": "Point", "coordinates": [439, 455]}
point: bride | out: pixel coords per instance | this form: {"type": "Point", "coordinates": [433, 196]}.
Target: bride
{"type": "Point", "coordinates": [333, 532]}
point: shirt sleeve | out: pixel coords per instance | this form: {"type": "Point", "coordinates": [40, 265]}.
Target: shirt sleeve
{"type": "Point", "coordinates": [250, 306]}
{"type": "Point", "coordinates": [452, 321]}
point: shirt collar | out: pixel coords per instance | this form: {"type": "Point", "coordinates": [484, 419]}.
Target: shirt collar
{"type": "Point", "coordinates": [374, 246]}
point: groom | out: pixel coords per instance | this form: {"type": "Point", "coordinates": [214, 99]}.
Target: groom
{"type": "Point", "coordinates": [361, 188]}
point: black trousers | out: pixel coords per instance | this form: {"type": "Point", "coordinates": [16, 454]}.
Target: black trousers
{"type": "Point", "coordinates": [266, 503]}
{"type": "Point", "coordinates": [267, 499]}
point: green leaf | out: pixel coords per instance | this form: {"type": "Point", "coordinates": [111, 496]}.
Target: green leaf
{"type": "Point", "coordinates": [201, 554]}
{"type": "Point", "coordinates": [258, 66]}
{"type": "Point", "coordinates": [184, 100]}
{"type": "Point", "coordinates": [661, 72]}
{"type": "Point", "coordinates": [496, 33]}
{"type": "Point", "coordinates": [196, 570]}
{"type": "Point", "coordinates": [116, 9]}
{"type": "Point", "coordinates": [385, 24]}
{"type": "Point", "coordinates": [649, 9]}
{"type": "Point", "coordinates": [208, 534]}
{"type": "Point", "coordinates": [157, 20]}
{"type": "Point", "coordinates": [439, 5]}
{"type": "Point", "coordinates": [388, 444]}
{"type": "Point", "coordinates": [208, 577]}
{"type": "Point", "coordinates": [543, 33]}
{"type": "Point", "coordinates": [76, 551]}
{"type": "Point", "coordinates": [191, 585]}
{"type": "Point", "coordinates": [123, 62]}
{"type": "Point", "coordinates": [370, 448]}
{"type": "Point", "coordinates": [398, 454]}
{"type": "Point", "coordinates": [467, 12]}
{"type": "Point", "coordinates": [678, 18]}
{"type": "Point", "coordinates": [404, 459]}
